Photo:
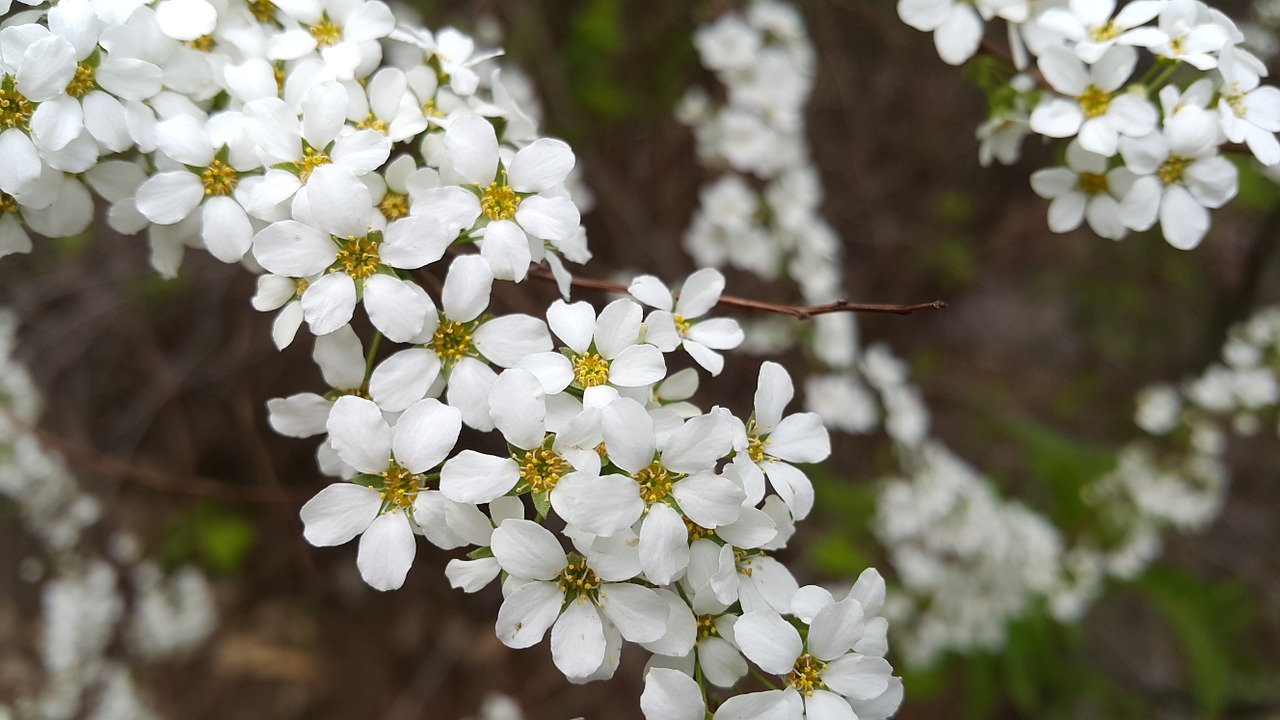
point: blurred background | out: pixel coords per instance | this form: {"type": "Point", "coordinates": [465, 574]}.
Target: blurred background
{"type": "Point", "coordinates": [155, 391]}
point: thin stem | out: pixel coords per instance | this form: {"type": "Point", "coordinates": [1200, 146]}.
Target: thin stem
{"type": "Point", "coordinates": [795, 311]}
{"type": "Point", "coordinates": [1163, 78]}
{"type": "Point", "coordinates": [109, 466]}
{"type": "Point", "coordinates": [368, 359]}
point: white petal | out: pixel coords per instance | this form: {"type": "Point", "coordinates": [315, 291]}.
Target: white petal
{"type": "Point", "coordinates": [470, 384]}
{"type": "Point", "coordinates": [301, 415]}
{"type": "Point", "coordinates": [1183, 221]}
{"type": "Point", "coordinates": [825, 705]}
{"type": "Point", "coordinates": [700, 293]}
{"type": "Point", "coordinates": [394, 307]}
{"type": "Point", "coordinates": [506, 248]}
{"type": "Point", "coordinates": [768, 641]}
{"type": "Point", "coordinates": [546, 218]}
{"type": "Point", "coordinates": [572, 323]}
{"type": "Point", "coordinates": [628, 435]}
{"type": "Point", "coordinates": [527, 550]}
{"type": "Point", "coordinates": [671, 695]}
{"type": "Point", "coordinates": [792, 486]}
{"type": "Point", "coordinates": [651, 291]}
{"type": "Point", "coordinates": [506, 340]}
{"type": "Point", "coordinates": [639, 612]}
{"type": "Point", "coordinates": [518, 405]}
{"type": "Point", "coordinates": [709, 500]}
{"type": "Point", "coordinates": [338, 513]}
{"type": "Point", "coordinates": [360, 434]}
{"type": "Point", "coordinates": [526, 614]}
{"type": "Point", "coordinates": [637, 366]}
{"type": "Point", "coordinates": [858, 676]}
{"type": "Point", "coordinates": [386, 552]}
{"type": "Point", "coordinates": [773, 392]}
{"type": "Point", "coordinates": [412, 242]}
{"type": "Point", "coordinates": [540, 166]}
{"type": "Point", "coordinates": [577, 640]}
{"type": "Point", "coordinates": [329, 303]}
{"type": "Point", "coordinates": [293, 249]}
{"type": "Point", "coordinates": [664, 545]}
{"type": "Point", "coordinates": [466, 288]}
{"type": "Point", "coordinates": [957, 39]}
{"type": "Point", "coordinates": [599, 505]}
{"type": "Point", "coordinates": [835, 629]}
{"type": "Point", "coordinates": [168, 198]}
{"type": "Point", "coordinates": [471, 147]}
{"type": "Point", "coordinates": [426, 434]}
{"type": "Point", "coordinates": [472, 477]}
{"type": "Point", "coordinates": [225, 229]}
{"type": "Point", "coordinates": [404, 378]}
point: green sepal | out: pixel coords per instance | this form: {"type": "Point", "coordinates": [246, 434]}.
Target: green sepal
{"type": "Point", "coordinates": [542, 503]}
{"type": "Point", "coordinates": [481, 553]}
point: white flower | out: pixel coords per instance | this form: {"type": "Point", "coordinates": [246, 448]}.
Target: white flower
{"type": "Point", "coordinates": [1088, 25]}
{"type": "Point", "coordinates": [207, 180]}
{"type": "Point", "coordinates": [459, 344]}
{"type": "Point", "coordinates": [1096, 111]}
{"type": "Point", "coordinates": [1084, 189]}
{"type": "Point", "coordinates": [822, 670]}
{"type": "Point", "coordinates": [341, 243]}
{"type": "Point", "coordinates": [345, 33]}
{"type": "Point", "coordinates": [727, 44]}
{"type": "Point", "coordinates": [603, 351]}
{"type": "Point", "coordinates": [768, 445]}
{"type": "Point", "coordinates": [394, 502]}
{"type": "Point", "coordinates": [669, 330]}
{"type": "Point", "coordinates": [453, 50]}
{"type": "Point", "coordinates": [1181, 174]}
{"type": "Point", "coordinates": [580, 599]}
{"type": "Point", "coordinates": [1193, 36]}
{"type": "Point", "coordinates": [1000, 138]}
{"type": "Point", "coordinates": [518, 216]}
{"type": "Point", "coordinates": [957, 26]}
{"type": "Point", "coordinates": [35, 68]}
{"type": "Point", "coordinates": [1249, 113]}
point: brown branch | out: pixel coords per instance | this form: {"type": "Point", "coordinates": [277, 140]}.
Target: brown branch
{"type": "Point", "coordinates": [802, 313]}
{"type": "Point", "coordinates": [113, 467]}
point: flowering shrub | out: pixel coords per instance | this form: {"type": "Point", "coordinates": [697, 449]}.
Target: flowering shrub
{"type": "Point", "coordinates": [343, 156]}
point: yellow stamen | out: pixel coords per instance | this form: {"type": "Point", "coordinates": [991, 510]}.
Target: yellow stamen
{"type": "Point", "coordinates": [357, 257]}
{"type": "Point", "coordinates": [1094, 101]}
{"type": "Point", "coordinates": [219, 178]}
{"type": "Point", "coordinates": [15, 110]}
{"type": "Point", "coordinates": [499, 202]}
{"type": "Point", "coordinates": [1173, 169]}
{"type": "Point", "coordinates": [542, 469]}
{"type": "Point", "coordinates": [311, 159]}
{"type": "Point", "coordinates": [326, 32]}
{"type": "Point", "coordinates": [1091, 183]}
{"type": "Point", "coordinates": [452, 340]}
{"type": "Point", "coordinates": [399, 488]}
{"type": "Point", "coordinates": [590, 370]}
{"type": "Point", "coordinates": [655, 483]}
{"type": "Point", "coordinates": [82, 82]}
{"type": "Point", "coordinates": [804, 675]}
{"type": "Point", "coordinates": [394, 205]}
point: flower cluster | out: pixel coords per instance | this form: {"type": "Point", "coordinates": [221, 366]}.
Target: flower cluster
{"type": "Point", "coordinates": [1176, 477]}
{"type": "Point", "coordinates": [87, 598]}
{"type": "Point", "coordinates": [1142, 149]}
{"type": "Point", "coordinates": [345, 157]}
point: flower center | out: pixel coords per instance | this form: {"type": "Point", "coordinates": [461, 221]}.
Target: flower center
{"type": "Point", "coordinates": [655, 483]}
{"type": "Point", "coordinates": [1172, 169]}
{"type": "Point", "coordinates": [371, 122]}
{"type": "Point", "coordinates": [8, 204]}
{"type": "Point", "coordinates": [82, 82]}
{"type": "Point", "coordinates": [399, 488]}
{"type": "Point", "coordinates": [804, 675]}
{"type": "Point", "coordinates": [755, 448]}
{"type": "Point", "coordinates": [542, 469]}
{"type": "Point", "coordinates": [1102, 33]}
{"type": "Point", "coordinates": [1091, 183]}
{"type": "Point", "coordinates": [577, 579]}
{"type": "Point", "coordinates": [499, 202]}
{"type": "Point", "coordinates": [743, 560]}
{"type": "Point", "coordinates": [1094, 101]}
{"type": "Point", "coordinates": [1175, 47]}
{"type": "Point", "coordinates": [301, 286]}
{"type": "Point", "coordinates": [262, 10]}
{"type": "Point", "coordinates": [357, 256]}
{"type": "Point", "coordinates": [682, 326]}
{"type": "Point", "coordinates": [204, 43]}
{"type": "Point", "coordinates": [451, 341]}
{"type": "Point", "coordinates": [590, 370]}
{"type": "Point", "coordinates": [311, 159]}
{"type": "Point", "coordinates": [1235, 99]}
{"type": "Point", "coordinates": [219, 178]}
{"type": "Point", "coordinates": [707, 627]}
{"type": "Point", "coordinates": [326, 32]}
{"type": "Point", "coordinates": [15, 110]}
{"type": "Point", "coordinates": [430, 110]}
{"type": "Point", "coordinates": [394, 205]}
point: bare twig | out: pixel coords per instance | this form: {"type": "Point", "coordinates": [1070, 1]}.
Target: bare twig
{"type": "Point", "coordinates": [800, 312]}
{"type": "Point", "coordinates": [113, 467]}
